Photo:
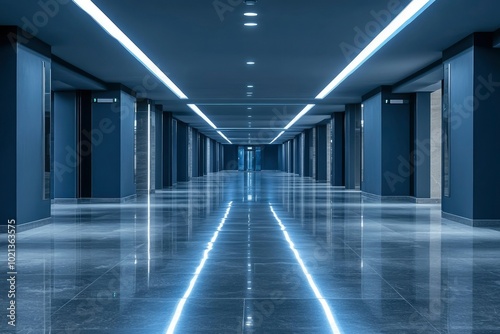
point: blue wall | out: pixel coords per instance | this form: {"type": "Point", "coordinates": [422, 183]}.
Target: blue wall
{"type": "Point", "coordinates": [475, 153]}
{"type": "Point", "coordinates": [460, 202]}
{"type": "Point", "coordinates": [8, 131]}
{"type": "Point", "coordinates": [30, 203]}
{"type": "Point", "coordinates": [113, 146]}
{"type": "Point", "coordinates": [65, 161]}
{"type": "Point", "coordinates": [486, 140]}
{"type": "Point", "coordinates": [230, 157]}
{"type": "Point", "coordinates": [386, 146]}
{"type": "Point", "coordinates": [372, 145]}
{"type": "Point", "coordinates": [270, 157]}
{"type": "Point", "coordinates": [127, 115]}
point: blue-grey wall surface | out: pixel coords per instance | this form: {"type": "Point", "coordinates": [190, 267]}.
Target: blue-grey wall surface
{"type": "Point", "coordinates": [386, 146]}
{"type": "Point", "coordinates": [195, 146]}
{"type": "Point", "coordinates": [230, 157]}
{"type": "Point", "coordinates": [127, 117]}
{"type": "Point", "coordinates": [396, 150]}
{"type": "Point", "coordinates": [321, 153]}
{"type": "Point", "coordinates": [182, 152]}
{"type": "Point", "coordinates": [486, 143]}
{"type": "Point", "coordinates": [65, 156]}
{"type": "Point", "coordinates": [159, 147]}
{"type": "Point", "coordinates": [30, 203]}
{"type": "Point", "coordinates": [8, 131]}
{"type": "Point", "coordinates": [337, 128]}
{"type": "Point", "coordinates": [106, 147]}
{"type": "Point", "coordinates": [460, 202]}
{"type": "Point", "coordinates": [372, 145]}
{"type": "Point", "coordinates": [270, 157]}
{"type": "Point", "coordinates": [422, 146]}
{"type": "Point", "coordinates": [113, 145]}
{"type": "Point", "coordinates": [353, 146]}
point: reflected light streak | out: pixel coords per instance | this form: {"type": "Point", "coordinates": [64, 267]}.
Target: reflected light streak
{"type": "Point", "coordinates": [317, 293]}
{"type": "Point", "coordinates": [210, 245]}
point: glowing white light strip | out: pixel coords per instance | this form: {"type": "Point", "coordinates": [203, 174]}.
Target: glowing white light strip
{"type": "Point", "coordinates": [149, 191]}
{"type": "Point", "coordinates": [317, 293]}
{"type": "Point", "coordinates": [182, 302]}
{"type": "Point", "coordinates": [197, 110]}
{"type": "Point", "coordinates": [281, 133]}
{"type": "Point", "coordinates": [410, 13]}
{"type": "Point", "coordinates": [299, 116]}
{"type": "Point", "coordinates": [222, 135]}
{"type": "Point", "coordinates": [90, 8]}
{"type": "Point", "coordinates": [105, 22]}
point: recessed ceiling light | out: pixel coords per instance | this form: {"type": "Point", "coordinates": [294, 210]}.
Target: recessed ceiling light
{"type": "Point", "coordinates": [251, 24]}
{"type": "Point", "coordinates": [250, 63]}
{"type": "Point", "coordinates": [249, 108]}
{"type": "Point", "coordinates": [250, 86]}
{"type": "Point", "coordinates": [251, 14]}
{"type": "Point", "coordinates": [249, 116]}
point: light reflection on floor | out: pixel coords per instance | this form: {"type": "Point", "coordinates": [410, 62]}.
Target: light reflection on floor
{"type": "Point", "coordinates": [378, 268]}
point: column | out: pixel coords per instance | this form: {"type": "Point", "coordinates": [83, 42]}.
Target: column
{"type": "Point", "coordinates": [337, 164]}
{"type": "Point", "coordinates": [471, 154]}
{"type": "Point", "coordinates": [169, 150]}
{"type": "Point", "coordinates": [321, 153]}
{"type": "Point", "coordinates": [352, 146]}
{"type": "Point", "coordinates": [386, 144]}
{"type": "Point", "coordinates": [421, 160]}
{"type": "Point", "coordinates": [113, 142]}
{"type": "Point", "coordinates": [65, 145]}
{"type": "Point", "coordinates": [182, 152]}
{"type": "Point", "coordinates": [25, 128]}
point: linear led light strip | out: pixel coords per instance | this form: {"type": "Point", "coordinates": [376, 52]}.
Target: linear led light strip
{"type": "Point", "coordinates": [180, 306]}
{"type": "Point", "coordinates": [410, 13]}
{"type": "Point", "coordinates": [329, 315]}
{"type": "Point", "coordinates": [105, 22]}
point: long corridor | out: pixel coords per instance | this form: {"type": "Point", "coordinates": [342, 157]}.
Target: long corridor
{"type": "Point", "coordinates": [263, 252]}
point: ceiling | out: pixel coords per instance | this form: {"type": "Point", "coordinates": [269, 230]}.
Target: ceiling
{"type": "Point", "coordinates": [298, 48]}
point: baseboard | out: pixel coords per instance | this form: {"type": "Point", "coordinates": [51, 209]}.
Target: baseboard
{"type": "Point", "coordinates": [28, 226]}
{"type": "Point", "coordinates": [106, 200]}
{"type": "Point", "coordinates": [471, 222]}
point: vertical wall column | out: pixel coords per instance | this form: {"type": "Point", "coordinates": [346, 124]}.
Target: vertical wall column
{"type": "Point", "coordinates": [25, 128]}
{"type": "Point", "coordinates": [338, 151]}
{"type": "Point", "coordinates": [386, 144]}
{"type": "Point", "coordinates": [421, 158]}
{"type": "Point", "coordinates": [182, 152]}
{"type": "Point", "coordinates": [169, 150]}
{"type": "Point", "coordinates": [352, 146]}
{"type": "Point", "coordinates": [158, 146]}
{"type": "Point", "coordinates": [113, 142]}
{"type": "Point", "coordinates": [471, 154]}
{"type": "Point", "coordinates": [146, 147]}
{"type": "Point", "coordinates": [321, 150]}
{"type": "Point", "coordinates": [307, 153]}
{"type": "Point", "coordinates": [65, 150]}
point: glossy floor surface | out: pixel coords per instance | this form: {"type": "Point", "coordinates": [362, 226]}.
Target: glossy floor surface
{"type": "Point", "coordinates": [256, 253]}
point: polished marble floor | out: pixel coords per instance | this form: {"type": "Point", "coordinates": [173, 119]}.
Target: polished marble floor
{"type": "Point", "coordinates": [260, 252]}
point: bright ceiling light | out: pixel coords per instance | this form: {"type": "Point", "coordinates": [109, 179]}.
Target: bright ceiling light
{"type": "Point", "coordinates": [91, 9]}
{"type": "Point", "coordinates": [250, 86]}
{"type": "Point", "coordinates": [222, 135]}
{"type": "Point", "coordinates": [251, 14]}
{"type": "Point", "coordinates": [299, 116]}
{"type": "Point", "coordinates": [95, 13]}
{"type": "Point", "coordinates": [250, 63]}
{"type": "Point", "coordinates": [249, 108]}
{"type": "Point", "coordinates": [410, 13]}
{"type": "Point", "coordinates": [281, 133]}
{"type": "Point", "coordinates": [200, 113]}
{"type": "Point", "coordinates": [251, 24]}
